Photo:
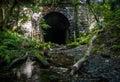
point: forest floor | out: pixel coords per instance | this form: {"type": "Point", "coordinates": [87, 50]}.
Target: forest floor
{"type": "Point", "coordinates": [99, 67]}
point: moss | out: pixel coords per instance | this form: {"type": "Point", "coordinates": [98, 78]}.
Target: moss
{"type": "Point", "coordinates": [41, 58]}
{"type": "Point", "coordinates": [116, 46]}
{"type": "Point", "coordinates": [72, 45]}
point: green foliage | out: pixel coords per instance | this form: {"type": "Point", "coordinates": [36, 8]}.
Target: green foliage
{"type": "Point", "coordinates": [9, 42]}
{"type": "Point", "coordinates": [101, 10]}
{"type": "Point", "coordinates": [43, 24]}
{"type": "Point", "coordinates": [74, 1]}
{"type": "Point", "coordinates": [9, 39]}
{"type": "Point", "coordinates": [34, 7]}
{"type": "Point", "coordinates": [72, 45]}
{"type": "Point", "coordinates": [84, 39]}
{"type": "Point", "coordinates": [115, 4]}
{"type": "Point", "coordinates": [43, 45]}
{"type": "Point", "coordinates": [13, 44]}
{"type": "Point", "coordinates": [113, 20]}
{"type": "Point", "coordinates": [48, 1]}
{"type": "Point", "coordinates": [9, 13]}
{"type": "Point", "coordinates": [57, 1]}
{"type": "Point", "coordinates": [109, 35]}
{"type": "Point", "coordinates": [27, 1]}
{"type": "Point", "coordinates": [116, 46]}
{"type": "Point", "coordinates": [41, 58]}
{"type": "Point", "coordinates": [96, 49]}
{"type": "Point", "coordinates": [24, 17]}
{"type": "Point", "coordinates": [112, 24]}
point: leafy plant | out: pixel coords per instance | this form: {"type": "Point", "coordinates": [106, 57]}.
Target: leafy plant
{"type": "Point", "coordinates": [96, 49]}
{"type": "Point", "coordinates": [72, 45]}
{"type": "Point", "coordinates": [84, 39]}
{"type": "Point", "coordinates": [44, 24]}
{"type": "Point", "coordinates": [13, 44]}
{"type": "Point", "coordinates": [48, 1]}
{"type": "Point", "coordinates": [74, 1]}
{"type": "Point", "coordinates": [117, 46]}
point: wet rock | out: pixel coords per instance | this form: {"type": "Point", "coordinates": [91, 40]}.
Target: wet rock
{"type": "Point", "coordinates": [102, 68]}
{"type": "Point", "coordinates": [114, 80]}
{"type": "Point", "coordinates": [29, 71]}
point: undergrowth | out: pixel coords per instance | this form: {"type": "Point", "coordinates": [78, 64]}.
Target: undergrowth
{"type": "Point", "coordinates": [14, 45]}
{"type": "Point", "coordinates": [84, 39]}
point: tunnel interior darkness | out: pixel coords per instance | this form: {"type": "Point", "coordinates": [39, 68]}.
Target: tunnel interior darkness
{"type": "Point", "coordinates": [59, 25]}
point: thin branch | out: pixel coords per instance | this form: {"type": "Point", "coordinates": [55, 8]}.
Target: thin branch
{"type": "Point", "coordinates": [3, 13]}
{"type": "Point", "coordinates": [95, 16]}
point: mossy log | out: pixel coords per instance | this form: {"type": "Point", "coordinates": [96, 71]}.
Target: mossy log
{"type": "Point", "coordinates": [42, 59]}
{"type": "Point", "coordinates": [80, 62]}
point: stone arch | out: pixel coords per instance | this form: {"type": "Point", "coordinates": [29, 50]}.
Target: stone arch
{"type": "Point", "coordinates": [59, 28]}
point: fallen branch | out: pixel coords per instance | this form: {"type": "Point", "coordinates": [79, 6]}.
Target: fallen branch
{"type": "Point", "coordinates": [80, 62]}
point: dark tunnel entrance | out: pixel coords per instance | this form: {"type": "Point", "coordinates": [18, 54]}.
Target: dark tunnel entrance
{"type": "Point", "coordinates": [59, 28]}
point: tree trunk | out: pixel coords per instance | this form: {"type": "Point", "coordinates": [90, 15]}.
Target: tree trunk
{"type": "Point", "coordinates": [95, 16]}
{"type": "Point", "coordinates": [76, 21]}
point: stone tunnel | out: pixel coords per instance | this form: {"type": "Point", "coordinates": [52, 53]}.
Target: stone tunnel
{"type": "Point", "coordinates": [61, 19]}
{"type": "Point", "coordinates": [59, 28]}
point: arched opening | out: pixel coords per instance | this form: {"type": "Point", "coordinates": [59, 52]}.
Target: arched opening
{"type": "Point", "coordinates": [59, 28]}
